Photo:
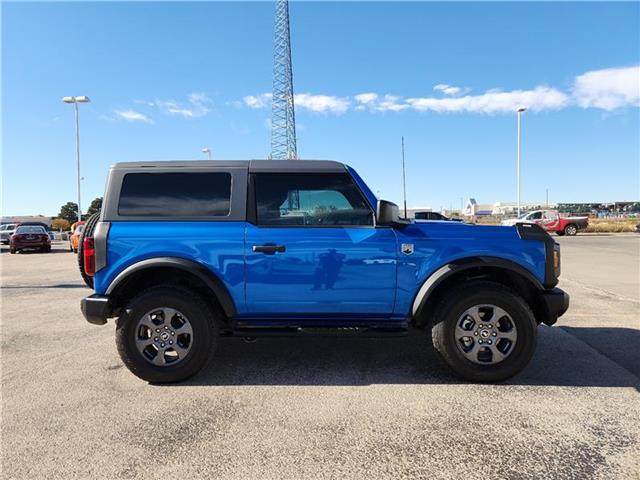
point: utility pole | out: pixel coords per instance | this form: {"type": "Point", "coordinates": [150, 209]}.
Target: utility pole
{"type": "Point", "coordinates": [404, 182]}
{"type": "Point", "coordinates": [547, 199]}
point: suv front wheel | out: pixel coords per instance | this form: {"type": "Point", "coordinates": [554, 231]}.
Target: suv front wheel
{"type": "Point", "coordinates": [484, 332]}
{"type": "Point", "coordinates": [166, 334]}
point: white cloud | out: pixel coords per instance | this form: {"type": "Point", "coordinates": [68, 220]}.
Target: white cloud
{"type": "Point", "coordinates": [366, 98]}
{"type": "Point", "coordinates": [447, 89]}
{"type": "Point", "coordinates": [198, 105]}
{"type": "Point", "coordinates": [538, 99]}
{"type": "Point", "coordinates": [373, 102]}
{"type": "Point", "coordinates": [322, 103]}
{"type": "Point", "coordinates": [308, 101]}
{"type": "Point", "coordinates": [132, 116]}
{"type": "Point", "coordinates": [608, 89]}
{"type": "Point", "coordinates": [257, 101]}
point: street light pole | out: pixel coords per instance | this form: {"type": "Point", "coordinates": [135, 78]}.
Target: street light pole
{"type": "Point", "coordinates": [207, 150]}
{"type": "Point", "coordinates": [76, 101]}
{"type": "Point", "coordinates": [519, 111]}
{"type": "Point", "coordinates": [75, 104]}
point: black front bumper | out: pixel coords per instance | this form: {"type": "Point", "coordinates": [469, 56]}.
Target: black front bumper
{"type": "Point", "coordinates": [556, 302]}
{"type": "Point", "coordinates": [96, 309]}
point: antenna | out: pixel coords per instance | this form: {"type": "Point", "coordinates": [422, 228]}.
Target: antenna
{"type": "Point", "coordinates": [404, 181]}
{"type": "Point", "coordinates": [283, 119]}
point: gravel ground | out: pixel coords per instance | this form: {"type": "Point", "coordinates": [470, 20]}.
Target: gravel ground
{"type": "Point", "coordinates": [318, 407]}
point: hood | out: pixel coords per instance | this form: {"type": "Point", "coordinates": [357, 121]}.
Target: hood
{"type": "Point", "coordinates": [459, 230]}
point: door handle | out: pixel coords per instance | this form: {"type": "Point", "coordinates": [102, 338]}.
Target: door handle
{"type": "Point", "coordinates": [269, 249]}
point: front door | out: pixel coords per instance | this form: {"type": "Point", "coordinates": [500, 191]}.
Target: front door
{"type": "Point", "coordinates": [314, 248]}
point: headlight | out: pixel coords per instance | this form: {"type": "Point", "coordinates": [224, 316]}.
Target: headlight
{"type": "Point", "coordinates": [556, 260]}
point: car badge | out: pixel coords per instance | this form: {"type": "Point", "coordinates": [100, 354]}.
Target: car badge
{"type": "Point", "coordinates": [407, 248]}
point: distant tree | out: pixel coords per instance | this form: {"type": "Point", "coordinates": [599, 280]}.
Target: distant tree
{"type": "Point", "coordinates": [96, 205]}
{"type": "Point", "coordinates": [60, 224]}
{"type": "Point", "coordinates": [69, 211]}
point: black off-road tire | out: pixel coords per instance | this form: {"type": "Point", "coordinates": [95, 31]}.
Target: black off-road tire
{"type": "Point", "coordinates": [467, 295]}
{"type": "Point", "coordinates": [203, 320]}
{"type": "Point", "coordinates": [90, 226]}
{"type": "Point", "coordinates": [571, 230]}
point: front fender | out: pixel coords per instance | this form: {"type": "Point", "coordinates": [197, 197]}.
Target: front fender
{"type": "Point", "coordinates": [444, 272]}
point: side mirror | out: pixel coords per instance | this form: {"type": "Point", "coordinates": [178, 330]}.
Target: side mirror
{"type": "Point", "coordinates": [388, 214]}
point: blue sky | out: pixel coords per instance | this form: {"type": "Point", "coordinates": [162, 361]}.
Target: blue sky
{"type": "Point", "coordinates": [167, 79]}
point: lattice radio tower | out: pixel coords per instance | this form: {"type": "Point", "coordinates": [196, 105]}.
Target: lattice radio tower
{"type": "Point", "coordinates": [283, 117]}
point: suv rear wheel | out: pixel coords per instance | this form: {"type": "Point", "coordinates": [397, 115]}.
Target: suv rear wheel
{"type": "Point", "coordinates": [167, 334]}
{"type": "Point", "coordinates": [484, 331]}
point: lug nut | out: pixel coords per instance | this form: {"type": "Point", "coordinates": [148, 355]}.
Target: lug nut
{"type": "Point", "coordinates": [170, 342]}
{"type": "Point", "coordinates": [475, 333]}
{"type": "Point", "coordinates": [494, 334]}
{"type": "Point", "coordinates": [173, 333]}
{"type": "Point", "coordinates": [157, 330]}
{"type": "Point", "coordinates": [479, 341]}
{"type": "Point", "coordinates": [155, 339]}
{"type": "Point", "coordinates": [489, 325]}
{"type": "Point", "coordinates": [489, 342]}
{"type": "Point", "coordinates": [162, 344]}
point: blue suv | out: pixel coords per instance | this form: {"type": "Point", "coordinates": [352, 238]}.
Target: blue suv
{"type": "Point", "coordinates": [185, 252]}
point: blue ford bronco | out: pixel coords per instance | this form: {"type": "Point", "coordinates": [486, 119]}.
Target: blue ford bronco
{"type": "Point", "coordinates": [185, 252]}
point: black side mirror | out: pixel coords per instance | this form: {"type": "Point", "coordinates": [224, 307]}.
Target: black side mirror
{"type": "Point", "coordinates": [388, 214]}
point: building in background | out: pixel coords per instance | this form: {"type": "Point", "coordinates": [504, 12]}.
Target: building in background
{"type": "Point", "coordinates": [26, 218]}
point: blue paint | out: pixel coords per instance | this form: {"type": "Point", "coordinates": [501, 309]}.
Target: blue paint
{"type": "Point", "coordinates": [219, 246]}
{"type": "Point", "coordinates": [330, 273]}
{"type": "Point", "coordinates": [324, 270]}
{"type": "Point", "coordinates": [327, 275]}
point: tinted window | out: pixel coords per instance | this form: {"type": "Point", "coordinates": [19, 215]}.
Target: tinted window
{"type": "Point", "coordinates": [316, 199]}
{"type": "Point", "coordinates": [429, 216]}
{"type": "Point", "coordinates": [198, 194]}
{"type": "Point", "coordinates": [30, 230]}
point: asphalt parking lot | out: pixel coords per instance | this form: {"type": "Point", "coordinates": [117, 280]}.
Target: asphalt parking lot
{"type": "Point", "coordinates": [323, 408]}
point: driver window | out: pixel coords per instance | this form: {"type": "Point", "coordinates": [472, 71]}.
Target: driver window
{"type": "Point", "coordinates": [535, 216]}
{"type": "Point", "coordinates": [316, 199]}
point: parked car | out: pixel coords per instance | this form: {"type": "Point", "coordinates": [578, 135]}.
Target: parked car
{"type": "Point", "coordinates": [74, 239]}
{"type": "Point", "coordinates": [40, 224]}
{"type": "Point", "coordinates": [434, 216]}
{"type": "Point", "coordinates": [551, 221]}
{"type": "Point", "coordinates": [184, 252]}
{"type": "Point", "coordinates": [29, 237]}
{"type": "Point", "coordinates": [6, 231]}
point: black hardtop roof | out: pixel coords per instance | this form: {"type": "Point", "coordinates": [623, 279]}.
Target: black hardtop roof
{"type": "Point", "coordinates": [254, 166]}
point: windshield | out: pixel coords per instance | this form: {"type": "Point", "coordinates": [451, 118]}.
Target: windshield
{"type": "Point", "coordinates": [523, 215]}
{"type": "Point", "coordinates": [34, 229]}
{"type": "Point", "coordinates": [8, 226]}
{"type": "Point", "coordinates": [79, 229]}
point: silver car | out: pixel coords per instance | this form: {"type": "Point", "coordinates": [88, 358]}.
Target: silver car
{"type": "Point", "coordinates": [6, 231]}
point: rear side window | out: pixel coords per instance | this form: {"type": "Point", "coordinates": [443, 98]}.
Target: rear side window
{"type": "Point", "coordinates": [310, 199]}
{"type": "Point", "coordinates": [197, 194]}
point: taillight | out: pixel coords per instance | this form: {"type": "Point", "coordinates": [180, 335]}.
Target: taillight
{"type": "Point", "coordinates": [89, 252]}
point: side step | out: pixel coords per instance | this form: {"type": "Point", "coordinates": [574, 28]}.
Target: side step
{"type": "Point", "coordinates": [319, 332]}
